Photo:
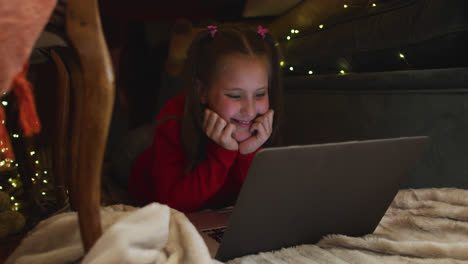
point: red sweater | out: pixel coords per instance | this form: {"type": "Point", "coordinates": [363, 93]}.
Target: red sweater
{"type": "Point", "coordinates": [158, 174]}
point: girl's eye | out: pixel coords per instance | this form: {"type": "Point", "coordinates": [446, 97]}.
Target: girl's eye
{"type": "Point", "coordinates": [260, 95]}
{"type": "Point", "coordinates": [233, 96]}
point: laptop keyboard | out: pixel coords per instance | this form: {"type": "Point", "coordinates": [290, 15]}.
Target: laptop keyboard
{"type": "Point", "coordinates": [215, 233]}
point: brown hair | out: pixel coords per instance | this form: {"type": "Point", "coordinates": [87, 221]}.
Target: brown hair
{"type": "Point", "coordinates": [203, 54]}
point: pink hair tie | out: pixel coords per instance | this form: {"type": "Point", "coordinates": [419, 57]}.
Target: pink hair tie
{"type": "Point", "coordinates": [262, 31]}
{"type": "Point", "coordinates": [212, 30]}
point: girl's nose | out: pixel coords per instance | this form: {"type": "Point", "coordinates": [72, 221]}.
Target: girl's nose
{"type": "Point", "coordinates": [249, 109]}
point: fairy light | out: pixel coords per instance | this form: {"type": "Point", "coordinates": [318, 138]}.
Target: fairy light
{"type": "Point", "coordinates": [12, 198]}
{"type": "Point", "coordinates": [282, 63]}
{"type": "Point", "coordinates": [342, 72]}
{"type": "Point", "coordinates": [16, 204]}
{"type": "Point", "coordinates": [1, 187]}
{"type": "Point", "coordinates": [32, 153]}
{"type": "Point", "coordinates": [3, 121]}
{"type": "Point", "coordinates": [292, 31]}
{"type": "Point", "coordinates": [37, 174]}
{"type": "Point", "coordinates": [45, 172]}
{"type": "Point", "coordinates": [4, 103]}
{"type": "Point", "coordinates": [321, 26]}
{"type": "Point", "coordinates": [345, 6]}
{"type": "Point", "coordinates": [296, 31]}
{"type": "Point", "coordinates": [37, 162]}
{"type": "Point", "coordinates": [15, 135]}
{"type": "Point", "coordinates": [43, 193]}
{"type": "Point", "coordinates": [374, 5]}
{"type": "Point", "coordinates": [13, 184]}
{"type": "Point", "coordinates": [291, 68]}
{"type": "Point", "coordinates": [288, 37]}
{"type": "Point", "coordinates": [311, 72]}
{"type": "Point", "coordinates": [33, 180]}
{"type": "Point", "coordinates": [44, 181]}
{"type": "Point", "coordinates": [401, 55]}
{"type": "Point", "coordinates": [16, 165]}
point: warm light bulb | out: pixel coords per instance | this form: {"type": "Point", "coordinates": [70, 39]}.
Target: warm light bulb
{"type": "Point", "coordinates": [296, 31]}
{"type": "Point", "coordinates": [43, 193]}
{"type": "Point", "coordinates": [281, 63]}
{"type": "Point", "coordinates": [37, 174]}
{"type": "Point", "coordinates": [320, 26]}
{"type": "Point", "coordinates": [44, 181]}
{"type": "Point", "coordinates": [342, 72]}
{"type": "Point", "coordinates": [288, 38]}
{"type": "Point", "coordinates": [32, 153]}
{"type": "Point", "coordinates": [45, 172]}
{"type": "Point", "coordinates": [345, 6]}
{"type": "Point", "coordinates": [292, 31]}
{"type": "Point", "coordinates": [13, 184]}
{"type": "Point", "coordinates": [291, 68]}
{"type": "Point", "coordinates": [402, 56]}
{"type": "Point", "coordinates": [15, 135]}
{"type": "Point", "coordinates": [1, 187]}
{"type": "Point", "coordinates": [311, 72]}
{"type": "Point", "coordinates": [4, 103]}
{"type": "Point", "coordinates": [374, 5]}
{"type": "Point", "coordinates": [16, 204]}
{"type": "Point", "coordinates": [12, 198]}
{"type": "Point", "coordinates": [37, 162]}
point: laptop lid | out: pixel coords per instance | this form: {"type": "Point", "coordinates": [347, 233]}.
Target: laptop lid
{"type": "Point", "coordinates": [296, 195]}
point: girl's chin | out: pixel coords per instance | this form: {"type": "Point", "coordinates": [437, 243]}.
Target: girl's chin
{"type": "Point", "coordinates": [241, 136]}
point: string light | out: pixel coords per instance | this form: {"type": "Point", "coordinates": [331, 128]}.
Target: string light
{"type": "Point", "coordinates": [296, 31]}
{"type": "Point", "coordinates": [4, 103]}
{"type": "Point", "coordinates": [43, 193]}
{"type": "Point", "coordinates": [13, 184]}
{"type": "Point", "coordinates": [16, 204]}
{"type": "Point", "coordinates": [292, 31]}
{"type": "Point", "coordinates": [321, 26]}
{"type": "Point", "coordinates": [374, 5]}
{"type": "Point", "coordinates": [32, 153]}
{"type": "Point", "coordinates": [12, 198]}
{"type": "Point", "coordinates": [37, 162]}
{"type": "Point", "coordinates": [401, 55]}
{"type": "Point", "coordinates": [281, 64]}
{"type": "Point", "coordinates": [44, 181]}
{"type": "Point", "coordinates": [342, 72]}
{"type": "Point", "coordinates": [45, 172]}
{"type": "Point", "coordinates": [37, 174]}
{"type": "Point", "coordinates": [16, 165]}
{"type": "Point", "coordinates": [1, 187]}
{"type": "Point", "coordinates": [3, 121]}
{"type": "Point", "coordinates": [15, 135]}
{"type": "Point", "coordinates": [345, 6]}
{"type": "Point", "coordinates": [288, 38]}
{"type": "Point", "coordinates": [291, 68]}
{"type": "Point", "coordinates": [311, 72]}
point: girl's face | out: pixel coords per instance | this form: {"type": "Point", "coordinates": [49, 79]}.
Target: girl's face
{"type": "Point", "coordinates": [239, 92]}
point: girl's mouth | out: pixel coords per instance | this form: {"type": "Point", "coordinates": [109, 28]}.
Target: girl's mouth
{"type": "Point", "coordinates": [241, 123]}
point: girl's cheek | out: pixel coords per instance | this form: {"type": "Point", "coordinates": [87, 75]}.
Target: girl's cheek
{"type": "Point", "coordinates": [263, 106]}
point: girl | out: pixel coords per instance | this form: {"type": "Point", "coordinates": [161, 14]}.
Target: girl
{"type": "Point", "coordinates": [205, 138]}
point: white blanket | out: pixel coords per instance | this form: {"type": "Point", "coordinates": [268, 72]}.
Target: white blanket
{"type": "Point", "coordinates": [421, 226]}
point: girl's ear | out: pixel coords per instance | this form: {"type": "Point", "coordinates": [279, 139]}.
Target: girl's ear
{"type": "Point", "coordinates": [201, 91]}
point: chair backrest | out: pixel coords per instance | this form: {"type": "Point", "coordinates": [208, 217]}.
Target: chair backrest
{"type": "Point", "coordinates": [92, 115]}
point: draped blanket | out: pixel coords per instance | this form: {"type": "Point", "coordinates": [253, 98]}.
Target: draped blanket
{"type": "Point", "coordinates": [422, 226]}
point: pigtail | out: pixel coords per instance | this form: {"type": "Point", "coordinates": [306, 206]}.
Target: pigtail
{"type": "Point", "coordinates": [276, 88]}
{"type": "Point", "coordinates": [193, 138]}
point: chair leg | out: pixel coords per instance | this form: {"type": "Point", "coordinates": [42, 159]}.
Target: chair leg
{"type": "Point", "coordinates": [84, 31]}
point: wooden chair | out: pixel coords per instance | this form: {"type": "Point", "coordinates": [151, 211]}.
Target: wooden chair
{"type": "Point", "coordinates": [92, 97]}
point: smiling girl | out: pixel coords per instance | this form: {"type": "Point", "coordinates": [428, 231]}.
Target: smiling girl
{"type": "Point", "coordinates": [207, 136]}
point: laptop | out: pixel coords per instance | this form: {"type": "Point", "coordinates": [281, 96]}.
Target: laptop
{"type": "Point", "coordinates": [298, 194]}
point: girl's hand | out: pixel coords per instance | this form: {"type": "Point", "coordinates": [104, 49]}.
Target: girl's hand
{"type": "Point", "coordinates": [261, 130]}
{"type": "Point", "coordinates": [219, 130]}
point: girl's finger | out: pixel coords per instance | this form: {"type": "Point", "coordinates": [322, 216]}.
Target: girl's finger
{"type": "Point", "coordinates": [228, 131]}
{"type": "Point", "coordinates": [206, 115]}
{"type": "Point", "coordinates": [261, 131]}
{"type": "Point", "coordinates": [219, 127]}
{"type": "Point", "coordinates": [210, 123]}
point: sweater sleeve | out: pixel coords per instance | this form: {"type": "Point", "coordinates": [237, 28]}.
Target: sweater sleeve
{"type": "Point", "coordinates": [172, 185]}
